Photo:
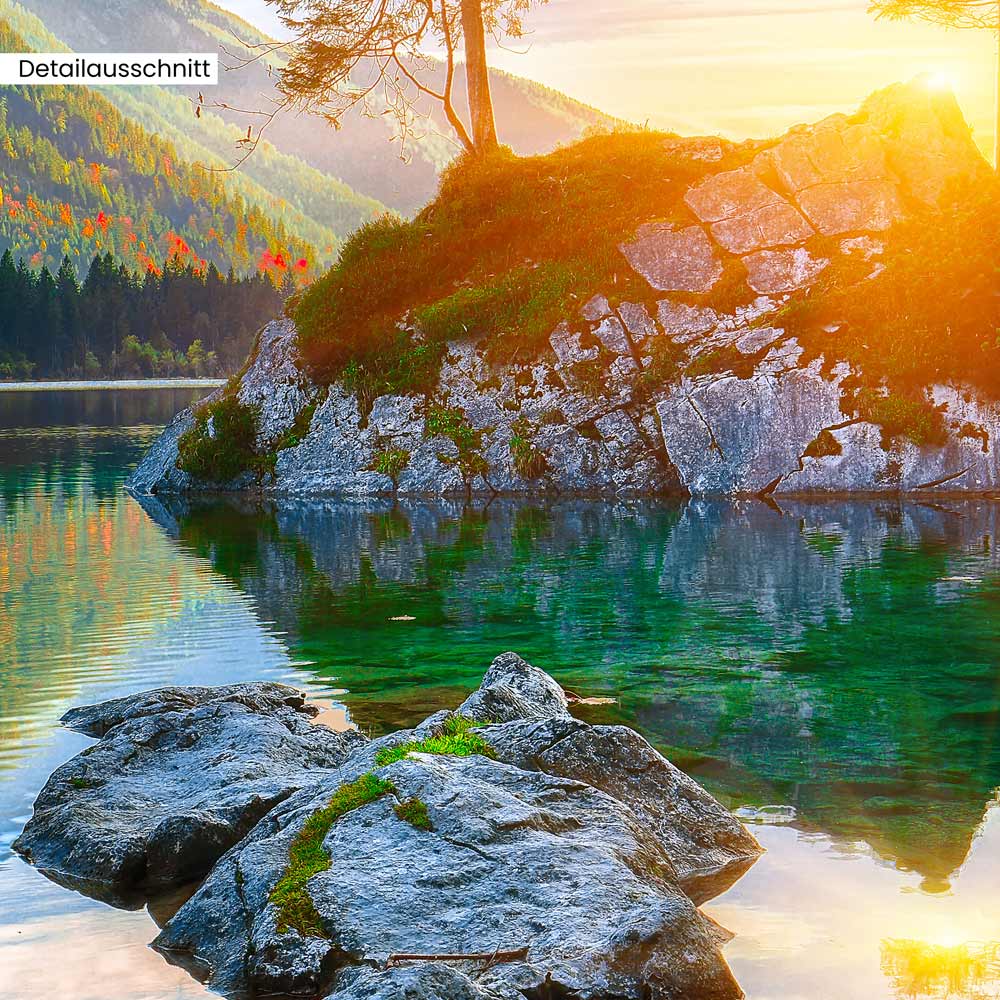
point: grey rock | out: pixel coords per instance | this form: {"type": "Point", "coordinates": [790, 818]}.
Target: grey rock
{"type": "Point", "coordinates": [595, 309]}
{"type": "Point", "coordinates": [514, 858]}
{"type": "Point", "coordinates": [637, 321]}
{"type": "Point", "coordinates": [674, 260]}
{"type": "Point", "coordinates": [684, 322]}
{"type": "Point", "coordinates": [176, 779]}
{"type": "Point", "coordinates": [731, 435]}
{"type": "Point", "coordinates": [708, 847]}
{"type": "Point", "coordinates": [419, 981]}
{"type": "Point", "coordinates": [275, 384]}
{"type": "Point", "coordinates": [745, 214]}
{"type": "Point", "coordinates": [157, 471]}
{"type": "Point", "coordinates": [772, 272]}
{"type": "Point", "coordinates": [263, 696]}
{"type": "Point", "coordinates": [514, 689]}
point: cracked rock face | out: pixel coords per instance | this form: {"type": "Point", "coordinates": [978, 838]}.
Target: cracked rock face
{"type": "Point", "coordinates": [178, 776]}
{"type": "Point", "coordinates": [649, 396]}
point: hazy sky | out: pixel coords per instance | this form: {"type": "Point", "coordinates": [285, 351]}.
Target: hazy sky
{"type": "Point", "coordinates": [740, 68]}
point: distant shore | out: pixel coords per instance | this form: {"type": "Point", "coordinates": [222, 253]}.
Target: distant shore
{"type": "Point", "coordinates": [128, 383]}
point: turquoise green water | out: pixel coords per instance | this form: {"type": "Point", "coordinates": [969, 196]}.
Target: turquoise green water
{"type": "Point", "coordinates": [837, 660]}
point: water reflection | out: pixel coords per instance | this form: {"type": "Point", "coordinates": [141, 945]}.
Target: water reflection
{"type": "Point", "coordinates": [839, 658]}
{"type": "Point", "coordinates": [922, 969]}
{"type": "Point", "coordinates": [836, 662]}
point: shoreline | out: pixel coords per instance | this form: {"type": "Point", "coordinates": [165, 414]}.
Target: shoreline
{"type": "Point", "coordinates": [82, 385]}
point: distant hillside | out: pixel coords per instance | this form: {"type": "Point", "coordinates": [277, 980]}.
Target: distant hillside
{"type": "Point", "coordinates": [78, 178]}
{"type": "Point", "coordinates": [316, 207]}
{"type": "Point", "coordinates": [531, 118]}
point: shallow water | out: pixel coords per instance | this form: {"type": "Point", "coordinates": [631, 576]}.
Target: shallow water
{"type": "Point", "coordinates": [836, 660]}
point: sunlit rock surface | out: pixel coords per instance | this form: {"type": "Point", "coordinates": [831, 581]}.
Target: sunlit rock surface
{"type": "Point", "coordinates": [649, 395]}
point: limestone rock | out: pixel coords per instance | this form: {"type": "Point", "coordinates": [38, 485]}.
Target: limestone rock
{"type": "Point", "coordinates": [838, 175]}
{"type": "Point", "coordinates": [177, 778]}
{"type": "Point", "coordinates": [731, 435]}
{"type": "Point", "coordinates": [514, 689]}
{"type": "Point", "coordinates": [928, 144]}
{"type": "Point", "coordinates": [419, 981]}
{"type": "Point", "coordinates": [772, 272]}
{"type": "Point", "coordinates": [745, 214]}
{"type": "Point", "coordinates": [707, 846]}
{"type": "Point", "coordinates": [275, 385]}
{"type": "Point", "coordinates": [513, 858]}
{"type": "Point", "coordinates": [674, 260]}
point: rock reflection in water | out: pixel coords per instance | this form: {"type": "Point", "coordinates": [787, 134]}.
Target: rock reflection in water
{"type": "Point", "coordinates": [835, 657]}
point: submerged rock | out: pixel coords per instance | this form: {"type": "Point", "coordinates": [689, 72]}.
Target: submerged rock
{"type": "Point", "coordinates": [178, 776]}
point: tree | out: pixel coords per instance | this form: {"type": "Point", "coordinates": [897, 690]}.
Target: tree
{"type": "Point", "coordinates": [347, 53]}
{"type": "Point", "coordinates": [981, 14]}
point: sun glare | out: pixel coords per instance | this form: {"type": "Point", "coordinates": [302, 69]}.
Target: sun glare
{"type": "Point", "coordinates": [940, 79]}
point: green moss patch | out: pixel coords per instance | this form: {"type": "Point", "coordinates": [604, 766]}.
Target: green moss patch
{"type": "Point", "coordinates": [451, 422]}
{"type": "Point", "coordinates": [529, 462]}
{"type": "Point", "coordinates": [230, 449]}
{"type": "Point", "coordinates": [414, 812]}
{"type": "Point", "coordinates": [307, 856]}
{"type": "Point", "coordinates": [456, 739]}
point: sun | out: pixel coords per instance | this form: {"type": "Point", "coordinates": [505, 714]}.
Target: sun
{"type": "Point", "coordinates": [940, 79]}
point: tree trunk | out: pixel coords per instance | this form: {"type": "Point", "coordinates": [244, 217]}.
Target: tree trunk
{"type": "Point", "coordinates": [484, 130]}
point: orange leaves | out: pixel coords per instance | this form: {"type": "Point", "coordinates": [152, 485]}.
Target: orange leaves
{"type": "Point", "coordinates": [95, 173]}
{"type": "Point", "coordinates": [271, 262]}
{"type": "Point", "coordinates": [103, 222]}
{"type": "Point", "coordinates": [65, 214]}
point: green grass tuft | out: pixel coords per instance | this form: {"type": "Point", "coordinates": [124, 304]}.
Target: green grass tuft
{"type": "Point", "coordinates": [529, 462]}
{"type": "Point", "coordinates": [456, 739]}
{"type": "Point", "coordinates": [508, 247]}
{"type": "Point", "coordinates": [231, 450]}
{"type": "Point", "coordinates": [307, 856]}
{"type": "Point", "coordinates": [391, 462]}
{"type": "Point", "coordinates": [414, 812]}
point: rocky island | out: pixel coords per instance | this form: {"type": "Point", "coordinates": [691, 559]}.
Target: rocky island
{"type": "Point", "coordinates": [564, 859]}
{"type": "Point", "coordinates": [676, 315]}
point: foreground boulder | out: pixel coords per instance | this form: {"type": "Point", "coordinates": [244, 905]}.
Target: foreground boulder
{"type": "Point", "coordinates": [509, 859]}
{"type": "Point", "coordinates": [550, 856]}
{"type": "Point", "coordinates": [178, 776]}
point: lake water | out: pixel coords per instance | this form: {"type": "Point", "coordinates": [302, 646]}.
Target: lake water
{"type": "Point", "coordinates": [833, 670]}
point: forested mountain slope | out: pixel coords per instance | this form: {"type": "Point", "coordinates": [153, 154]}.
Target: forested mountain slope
{"type": "Point", "coordinates": [316, 207]}
{"type": "Point", "coordinates": [531, 118]}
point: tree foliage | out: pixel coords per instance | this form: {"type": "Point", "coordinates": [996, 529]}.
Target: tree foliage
{"type": "Point", "coordinates": [122, 323]}
{"type": "Point", "coordinates": [347, 51]}
{"type": "Point", "coordinates": [949, 13]}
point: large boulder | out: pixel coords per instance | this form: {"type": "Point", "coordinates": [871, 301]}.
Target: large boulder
{"type": "Point", "coordinates": [575, 851]}
{"type": "Point", "coordinates": [178, 776]}
{"type": "Point", "coordinates": [511, 859]}
{"type": "Point", "coordinates": [708, 847]}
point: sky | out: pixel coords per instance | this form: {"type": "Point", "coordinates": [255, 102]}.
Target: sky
{"type": "Point", "coordinates": [736, 67]}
